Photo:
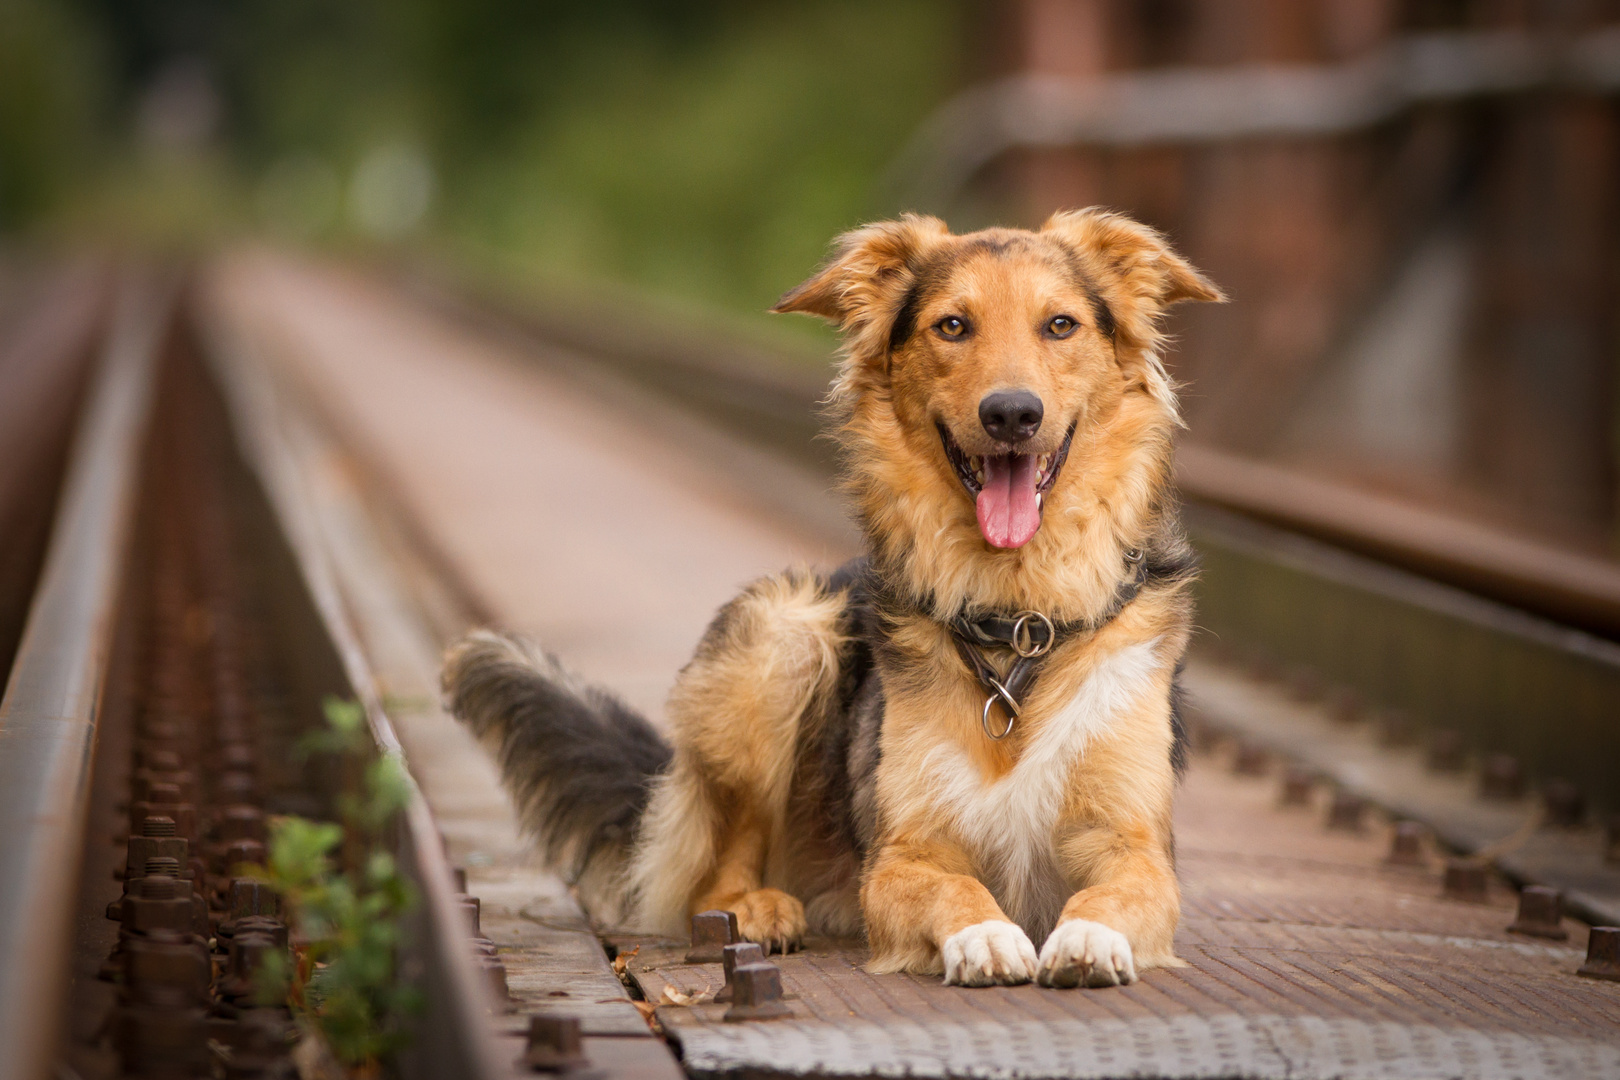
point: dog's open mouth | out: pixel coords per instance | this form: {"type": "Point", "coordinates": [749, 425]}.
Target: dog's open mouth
{"type": "Point", "coordinates": [1007, 489]}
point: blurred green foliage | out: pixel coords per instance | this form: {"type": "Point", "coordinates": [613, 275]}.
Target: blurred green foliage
{"type": "Point", "coordinates": [347, 910]}
{"type": "Point", "coordinates": [707, 150]}
{"type": "Point", "coordinates": [48, 91]}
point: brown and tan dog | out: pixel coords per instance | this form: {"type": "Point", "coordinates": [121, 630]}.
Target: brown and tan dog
{"type": "Point", "coordinates": [966, 742]}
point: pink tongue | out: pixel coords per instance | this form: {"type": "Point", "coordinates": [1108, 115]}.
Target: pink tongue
{"type": "Point", "coordinates": [1008, 515]}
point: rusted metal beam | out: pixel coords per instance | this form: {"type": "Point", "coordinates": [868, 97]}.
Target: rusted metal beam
{"type": "Point", "coordinates": [1205, 104]}
{"type": "Point", "coordinates": [1554, 582]}
{"type": "Point", "coordinates": [50, 710]}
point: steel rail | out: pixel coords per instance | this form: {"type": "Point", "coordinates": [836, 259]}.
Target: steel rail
{"type": "Point", "coordinates": [43, 368]}
{"type": "Point", "coordinates": [49, 713]}
{"type": "Point", "coordinates": [456, 1035]}
{"type": "Point", "coordinates": [1553, 582]}
{"type": "Point", "coordinates": [1209, 104]}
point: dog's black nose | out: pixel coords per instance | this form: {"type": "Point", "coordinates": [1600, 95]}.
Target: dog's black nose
{"type": "Point", "coordinates": [1011, 415]}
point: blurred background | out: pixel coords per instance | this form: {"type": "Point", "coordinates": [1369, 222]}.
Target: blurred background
{"type": "Point", "coordinates": [1411, 202]}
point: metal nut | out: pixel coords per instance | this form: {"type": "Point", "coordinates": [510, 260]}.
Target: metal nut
{"type": "Point", "coordinates": [473, 909]}
{"type": "Point", "coordinates": [158, 903]}
{"type": "Point", "coordinates": [1602, 954]}
{"type": "Point", "coordinates": [1502, 778]}
{"type": "Point", "coordinates": [1347, 811]}
{"type": "Point", "coordinates": [1465, 881]}
{"type": "Point", "coordinates": [1564, 803]}
{"type": "Point", "coordinates": [1406, 846]}
{"type": "Point", "coordinates": [1251, 760]}
{"type": "Point", "coordinates": [1541, 913]}
{"type": "Point", "coordinates": [757, 993]}
{"type": "Point", "coordinates": [734, 956]}
{"type": "Point", "coordinates": [555, 1044]}
{"type": "Point", "coordinates": [252, 896]}
{"type": "Point", "coordinates": [712, 931]}
{"type": "Point", "coordinates": [240, 822]}
{"type": "Point", "coordinates": [1298, 783]}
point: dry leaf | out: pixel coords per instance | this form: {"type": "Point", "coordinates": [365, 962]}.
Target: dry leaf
{"type": "Point", "coordinates": [672, 996]}
{"type": "Point", "coordinates": [622, 961]}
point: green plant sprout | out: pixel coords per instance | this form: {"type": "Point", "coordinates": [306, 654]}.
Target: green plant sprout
{"type": "Point", "coordinates": [344, 899]}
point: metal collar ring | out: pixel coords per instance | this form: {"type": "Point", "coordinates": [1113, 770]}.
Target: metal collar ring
{"type": "Point", "coordinates": [1023, 639]}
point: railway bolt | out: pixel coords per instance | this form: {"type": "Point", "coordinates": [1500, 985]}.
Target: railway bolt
{"type": "Point", "coordinates": [1406, 846]}
{"type": "Point", "coordinates": [1502, 778]}
{"type": "Point", "coordinates": [1251, 760]}
{"type": "Point", "coordinates": [1465, 881]}
{"type": "Point", "coordinates": [757, 993]}
{"type": "Point", "coordinates": [1602, 954]}
{"type": "Point", "coordinates": [158, 903]}
{"type": "Point", "coordinates": [1541, 913]}
{"type": "Point", "coordinates": [252, 896]}
{"type": "Point", "coordinates": [157, 1041]}
{"type": "Point", "coordinates": [1564, 803]}
{"type": "Point", "coordinates": [473, 909]}
{"type": "Point", "coordinates": [249, 954]}
{"type": "Point", "coordinates": [1346, 812]}
{"type": "Point", "coordinates": [240, 822]}
{"type": "Point", "coordinates": [712, 931]}
{"type": "Point", "coordinates": [1446, 750]}
{"type": "Point", "coordinates": [164, 967]}
{"type": "Point", "coordinates": [1298, 783]}
{"type": "Point", "coordinates": [156, 841]}
{"type": "Point", "coordinates": [494, 973]}
{"type": "Point", "coordinates": [183, 814]}
{"type": "Point", "coordinates": [182, 780]}
{"type": "Point", "coordinates": [734, 956]}
{"type": "Point", "coordinates": [556, 1044]}
{"type": "Point", "coordinates": [274, 929]}
{"type": "Point", "coordinates": [234, 786]}
{"type": "Point", "coordinates": [241, 853]}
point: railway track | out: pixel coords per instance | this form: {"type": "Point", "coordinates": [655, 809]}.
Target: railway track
{"type": "Point", "coordinates": [226, 555]}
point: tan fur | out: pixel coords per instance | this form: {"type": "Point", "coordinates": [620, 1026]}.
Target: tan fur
{"type": "Point", "coordinates": [1097, 845]}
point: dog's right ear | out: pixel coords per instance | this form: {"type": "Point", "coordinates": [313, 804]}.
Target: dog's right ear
{"type": "Point", "coordinates": [862, 287]}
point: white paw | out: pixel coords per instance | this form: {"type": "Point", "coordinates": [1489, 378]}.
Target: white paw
{"type": "Point", "coordinates": [985, 954]}
{"type": "Point", "coordinates": [1086, 952]}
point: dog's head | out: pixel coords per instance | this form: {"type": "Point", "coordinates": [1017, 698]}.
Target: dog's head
{"type": "Point", "coordinates": [983, 366]}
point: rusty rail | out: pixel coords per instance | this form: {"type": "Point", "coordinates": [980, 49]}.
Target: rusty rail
{"type": "Point", "coordinates": [49, 714]}
{"type": "Point", "coordinates": [1571, 588]}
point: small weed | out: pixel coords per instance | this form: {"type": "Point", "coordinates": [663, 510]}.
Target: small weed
{"type": "Point", "coordinates": [344, 898]}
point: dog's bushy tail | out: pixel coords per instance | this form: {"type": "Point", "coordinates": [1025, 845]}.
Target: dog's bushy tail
{"type": "Point", "coordinates": [577, 761]}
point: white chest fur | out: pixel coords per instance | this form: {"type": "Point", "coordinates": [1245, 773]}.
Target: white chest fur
{"type": "Point", "coordinates": [1007, 824]}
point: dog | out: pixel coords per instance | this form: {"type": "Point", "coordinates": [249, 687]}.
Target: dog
{"type": "Point", "coordinates": [968, 740]}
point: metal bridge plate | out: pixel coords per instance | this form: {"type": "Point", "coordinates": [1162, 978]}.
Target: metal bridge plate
{"type": "Point", "coordinates": [1307, 957]}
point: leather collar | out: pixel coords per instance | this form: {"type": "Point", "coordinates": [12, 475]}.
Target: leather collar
{"type": "Point", "coordinates": [1030, 636]}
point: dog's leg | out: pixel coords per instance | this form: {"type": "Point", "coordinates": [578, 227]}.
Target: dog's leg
{"type": "Point", "coordinates": [1114, 843]}
{"type": "Point", "coordinates": [1124, 922]}
{"type": "Point", "coordinates": [768, 916]}
{"type": "Point", "coordinates": [925, 912]}
{"type": "Point", "coordinates": [769, 658]}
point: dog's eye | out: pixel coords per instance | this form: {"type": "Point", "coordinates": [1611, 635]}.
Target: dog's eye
{"type": "Point", "coordinates": [951, 326]}
{"type": "Point", "coordinates": [1061, 326]}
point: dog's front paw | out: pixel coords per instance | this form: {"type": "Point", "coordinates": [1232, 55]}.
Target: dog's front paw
{"type": "Point", "coordinates": [989, 953]}
{"type": "Point", "coordinates": [1086, 952]}
{"type": "Point", "coordinates": [771, 918]}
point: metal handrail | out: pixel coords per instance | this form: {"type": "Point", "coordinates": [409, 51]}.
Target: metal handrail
{"type": "Point", "coordinates": [49, 714]}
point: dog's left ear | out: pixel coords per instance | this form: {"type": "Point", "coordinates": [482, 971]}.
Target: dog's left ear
{"type": "Point", "coordinates": [1133, 267]}
{"type": "Point", "coordinates": [862, 287]}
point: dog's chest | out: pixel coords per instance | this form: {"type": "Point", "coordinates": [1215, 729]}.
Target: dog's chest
{"type": "Point", "coordinates": [1007, 823]}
